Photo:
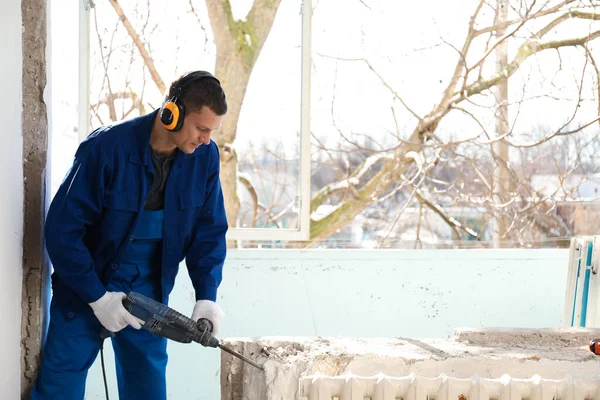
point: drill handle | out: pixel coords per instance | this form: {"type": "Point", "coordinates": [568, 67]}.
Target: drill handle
{"type": "Point", "coordinates": [160, 319]}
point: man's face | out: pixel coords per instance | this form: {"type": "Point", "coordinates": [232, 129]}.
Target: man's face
{"type": "Point", "coordinates": [196, 130]}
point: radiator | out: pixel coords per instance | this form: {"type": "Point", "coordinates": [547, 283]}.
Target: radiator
{"type": "Point", "coordinates": [412, 387]}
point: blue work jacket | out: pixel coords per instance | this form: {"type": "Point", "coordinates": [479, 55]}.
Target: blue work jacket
{"type": "Point", "coordinates": [91, 220]}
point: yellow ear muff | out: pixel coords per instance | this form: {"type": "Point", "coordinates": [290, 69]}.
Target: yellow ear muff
{"type": "Point", "coordinates": [170, 115]}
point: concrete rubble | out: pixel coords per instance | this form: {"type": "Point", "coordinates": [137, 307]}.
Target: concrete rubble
{"type": "Point", "coordinates": [488, 353]}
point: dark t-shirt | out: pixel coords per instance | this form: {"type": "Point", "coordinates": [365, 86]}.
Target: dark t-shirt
{"type": "Point", "coordinates": [156, 195]}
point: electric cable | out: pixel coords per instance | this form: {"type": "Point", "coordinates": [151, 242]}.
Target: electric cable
{"type": "Point", "coordinates": [103, 368]}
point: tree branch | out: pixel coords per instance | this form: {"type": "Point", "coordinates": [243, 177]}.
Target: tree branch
{"type": "Point", "coordinates": [593, 61]}
{"type": "Point", "coordinates": [564, 17]}
{"type": "Point", "coordinates": [526, 50]}
{"type": "Point", "coordinates": [148, 62]}
{"type": "Point", "coordinates": [461, 63]}
{"type": "Point", "coordinates": [220, 15]}
{"type": "Point", "coordinates": [539, 14]}
{"type": "Point", "coordinates": [555, 134]}
{"type": "Point", "coordinates": [109, 100]}
{"type": "Point", "coordinates": [260, 18]}
{"type": "Point", "coordinates": [349, 209]}
{"type": "Point", "coordinates": [336, 187]}
{"type": "Point", "coordinates": [250, 188]}
{"type": "Point", "coordinates": [452, 223]}
{"type": "Point", "coordinates": [193, 9]}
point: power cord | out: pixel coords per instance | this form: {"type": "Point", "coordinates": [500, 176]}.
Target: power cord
{"type": "Point", "coordinates": [103, 368]}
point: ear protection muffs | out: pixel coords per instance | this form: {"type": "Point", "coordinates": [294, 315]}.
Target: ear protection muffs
{"type": "Point", "coordinates": [172, 113]}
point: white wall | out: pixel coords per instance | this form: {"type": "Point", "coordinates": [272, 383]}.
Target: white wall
{"type": "Point", "coordinates": [418, 294]}
{"type": "Point", "coordinates": [11, 198]}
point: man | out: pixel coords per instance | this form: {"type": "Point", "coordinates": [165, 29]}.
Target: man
{"type": "Point", "coordinates": [141, 196]}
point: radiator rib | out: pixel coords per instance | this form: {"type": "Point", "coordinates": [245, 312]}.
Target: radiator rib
{"type": "Point", "coordinates": [412, 387]}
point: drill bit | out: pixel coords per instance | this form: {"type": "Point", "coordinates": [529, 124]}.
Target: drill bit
{"type": "Point", "coordinates": [238, 355]}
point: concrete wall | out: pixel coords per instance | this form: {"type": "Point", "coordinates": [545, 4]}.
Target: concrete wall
{"type": "Point", "coordinates": [418, 294]}
{"type": "Point", "coordinates": [11, 198]}
{"type": "Point", "coordinates": [347, 368]}
{"type": "Point", "coordinates": [35, 144]}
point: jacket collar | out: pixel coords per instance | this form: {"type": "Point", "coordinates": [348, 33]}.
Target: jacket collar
{"type": "Point", "coordinates": [140, 148]}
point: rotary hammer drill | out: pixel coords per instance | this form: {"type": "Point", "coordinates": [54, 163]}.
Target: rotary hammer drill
{"type": "Point", "coordinates": [164, 321]}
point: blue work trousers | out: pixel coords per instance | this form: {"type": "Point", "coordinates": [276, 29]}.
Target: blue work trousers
{"type": "Point", "coordinates": [72, 344]}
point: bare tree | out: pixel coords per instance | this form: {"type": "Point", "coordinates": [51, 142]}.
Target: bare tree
{"type": "Point", "coordinates": [412, 164]}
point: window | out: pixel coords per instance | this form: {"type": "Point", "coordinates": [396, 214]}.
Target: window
{"type": "Point", "coordinates": [131, 52]}
{"type": "Point", "coordinates": [412, 144]}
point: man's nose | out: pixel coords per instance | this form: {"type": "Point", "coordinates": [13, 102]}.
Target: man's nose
{"type": "Point", "coordinates": [205, 139]}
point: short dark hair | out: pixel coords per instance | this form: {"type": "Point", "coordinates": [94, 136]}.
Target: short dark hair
{"type": "Point", "coordinates": [197, 92]}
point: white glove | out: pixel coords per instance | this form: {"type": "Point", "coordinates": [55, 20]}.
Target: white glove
{"type": "Point", "coordinates": [112, 315]}
{"type": "Point", "coordinates": [209, 310]}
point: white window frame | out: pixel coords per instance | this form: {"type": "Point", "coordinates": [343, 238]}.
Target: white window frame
{"type": "Point", "coordinates": [302, 199]}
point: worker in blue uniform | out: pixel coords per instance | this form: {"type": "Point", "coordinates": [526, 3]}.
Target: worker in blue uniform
{"type": "Point", "coordinates": [142, 196]}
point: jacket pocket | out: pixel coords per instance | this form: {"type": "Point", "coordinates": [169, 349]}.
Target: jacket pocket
{"type": "Point", "coordinates": [124, 277]}
{"type": "Point", "coordinates": [190, 204]}
{"type": "Point", "coordinates": [119, 210]}
{"type": "Point", "coordinates": [126, 201]}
